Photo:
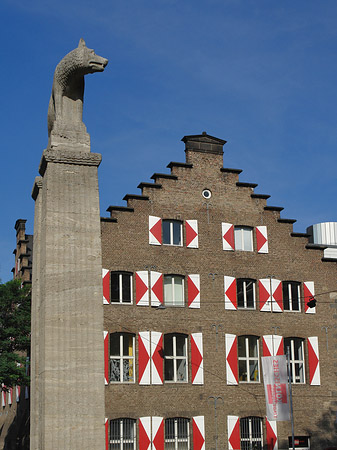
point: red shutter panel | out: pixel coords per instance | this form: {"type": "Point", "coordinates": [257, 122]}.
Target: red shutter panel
{"type": "Point", "coordinates": [157, 289]}
{"type": "Point", "coordinates": [155, 230]}
{"type": "Point", "coordinates": [313, 356]}
{"type": "Point", "coordinates": [232, 375]}
{"type": "Point", "coordinates": [142, 288]}
{"type": "Point", "coordinates": [277, 301]}
{"type": "Point", "coordinates": [197, 356]}
{"type": "Point", "coordinates": [198, 433]}
{"type": "Point", "coordinates": [230, 293]}
{"type": "Point", "coordinates": [267, 345]}
{"type": "Point", "coordinates": [233, 430]}
{"type": "Point", "coordinates": [261, 239]}
{"type": "Point", "coordinates": [157, 358]}
{"type": "Point", "coordinates": [309, 293]}
{"type": "Point", "coordinates": [106, 357]}
{"type": "Point", "coordinates": [106, 286]}
{"type": "Point", "coordinates": [144, 357]}
{"type": "Point", "coordinates": [264, 293]}
{"type": "Point", "coordinates": [271, 429]}
{"type": "Point", "coordinates": [227, 236]}
{"type": "Point", "coordinates": [144, 432]}
{"type": "Point", "coordinates": [193, 290]}
{"type": "Point", "coordinates": [278, 345]}
{"type": "Point", "coordinates": [106, 433]}
{"type": "Point", "coordinates": [192, 236]}
{"type": "Point", "coordinates": [157, 433]}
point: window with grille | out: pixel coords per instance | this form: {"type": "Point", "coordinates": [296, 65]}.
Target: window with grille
{"type": "Point", "coordinates": [177, 435]}
{"type": "Point", "coordinates": [245, 289]}
{"type": "Point", "coordinates": [175, 358]}
{"type": "Point", "coordinates": [122, 350]}
{"type": "Point", "coordinates": [243, 237]}
{"type": "Point", "coordinates": [291, 295]}
{"type": "Point", "coordinates": [251, 433]}
{"type": "Point", "coordinates": [248, 356]}
{"type": "Point", "coordinates": [172, 232]}
{"type": "Point", "coordinates": [296, 354]}
{"type": "Point", "coordinates": [173, 290]}
{"type": "Point", "coordinates": [121, 287]}
{"type": "Point", "coordinates": [122, 434]}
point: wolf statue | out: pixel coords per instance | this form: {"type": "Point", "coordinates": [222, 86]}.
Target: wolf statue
{"type": "Point", "coordinates": [65, 112]}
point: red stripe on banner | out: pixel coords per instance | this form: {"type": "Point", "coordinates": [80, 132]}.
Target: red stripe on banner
{"type": "Point", "coordinates": [313, 361]}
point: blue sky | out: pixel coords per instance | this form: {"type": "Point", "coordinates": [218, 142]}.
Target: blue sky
{"type": "Point", "coordinates": [260, 74]}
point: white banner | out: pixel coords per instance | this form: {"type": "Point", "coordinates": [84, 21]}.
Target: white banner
{"type": "Point", "coordinates": [276, 387]}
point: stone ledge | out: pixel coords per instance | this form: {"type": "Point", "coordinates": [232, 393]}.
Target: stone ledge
{"type": "Point", "coordinates": [80, 158]}
{"type": "Point", "coordinates": [37, 186]}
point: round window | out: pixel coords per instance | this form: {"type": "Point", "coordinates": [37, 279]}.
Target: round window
{"type": "Point", "coordinates": [206, 193]}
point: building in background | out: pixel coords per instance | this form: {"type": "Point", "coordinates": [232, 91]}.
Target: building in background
{"type": "Point", "coordinates": [23, 253]}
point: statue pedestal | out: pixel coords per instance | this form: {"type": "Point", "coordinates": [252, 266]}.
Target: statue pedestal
{"type": "Point", "coordinates": [63, 137]}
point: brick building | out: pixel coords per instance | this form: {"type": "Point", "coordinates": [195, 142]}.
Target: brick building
{"type": "Point", "coordinates": [188, 271]}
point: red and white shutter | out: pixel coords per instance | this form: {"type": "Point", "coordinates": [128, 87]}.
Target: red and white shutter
{"type": "Point", "coordinates": [276, 300]}
{"type": "Point", "coordinates": [157, 433]}
{"type": "Point", "coordinates": [264, 294]}
{"type": "Point", "coordinates": [233, 430]}
{"type": "Point", "coordinates": [278, 345]}
{"type": "Point", "coordinates": [142, 288]}
{"type": "Point", "coordinates": [10, 396]}
{"type": "Point", "coordinates": [309, 293]}
{"type": "Point", "coordinates": [144, 432]}
{"type": "Point", "coordinates": [198, 433]}
{"type": "Point", "coordinates": [313, 356]}
{"type": "Point", "coordinates": [192, 236]}
{"type": "Point", "coordinates": [3, 395]}
{"type": "Point", "coordinates": [193, 291]}
{"type": "Point", "coordinates": [271, 431]}
{"type": "Point", "coordinates": [230, 293]}
{"type": "Point", "coordinates": [157, 289]}
{"type": "Point", "coordinates": [106, 357]}
{"type": "Point", "coordinates": [197, 356]}
{"type": "Point", "coordinates": [227, 236]}
{"type": "Point", "coordinates": [17, 393]}
{"type": "Point", "coordinates": [106, 286]}
{"type": "Point", "coordinates": [144, 357]}
{"type": "Point", "coordinates": [157, 358]}
{"type": "Point", "coordinates": [106, 429]}
{"type": "Point", "coordinates": [272, 345]}
{"type": "Point", "coordinates": [155, 230]}
{"type": "Point", "coordinates": [261, 239]}
{"type": "Point", "coordinates": [232, 375]}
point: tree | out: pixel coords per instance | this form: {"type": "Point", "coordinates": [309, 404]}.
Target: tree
{"type": "Point", "coordinates": [14, 333]}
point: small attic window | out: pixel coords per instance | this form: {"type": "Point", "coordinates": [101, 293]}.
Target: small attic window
{"type": "Point", "coordinates": [206, 193]}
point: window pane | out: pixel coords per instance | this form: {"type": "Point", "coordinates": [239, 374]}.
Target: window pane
{"type": "Point", "coordinates": [299, 373]}
{"type": "Point", "coordinates": [181, 370]}
{"type": "Point", "coordinates": [298, 349]}
{"type": "Point", "coordinates": [169, 429]}
{"type": "Point", "coordinates": [169, 370]}
{"type": "Point", "coordinates": [285, 292]}
{"type": "Point", "coordinates": [250, 293]}
{"type": "Point", "coordinates": [127, 345]}
{"type": "Point", "coordinates": [295, 296]}
{"type": "Point", "coordinates": [253, 371]}
{"type": "Point", "coordinates": [126, 288]}
{"type": "Point", "coordinates": [178, 291]}
{"type": "Point", "coordinates": [182, 428]}
{"type": "Point", "coordinates": [242, 370]}
{"type": "Point", "coordinates": [176, 233]}
{"type": "Point", "coordinates": [238, 238]}
{"type": "Point", "coordinates": [241, 346]}
{"type": "Point", "coordinates": [180, 345]}
{"type": "Point", "coordinates": [127, 370]}
{"type": "Point", "coordinates": [128, 429]}
{"type": "Point", "coordinates": [166, 232]}
{"type": "Point", "coordinates": [240, 293]}
{"type": "Point", "coordinates": [115, 344]}
{"type": "Point", "coordinates": [114, 283]}
{"type": "Point", "coordinates": [115, 430]}
{"type": "Point", "coordinates": [252, 343]}
{"type": "Point", "coordinates": [168, 345]}
{"type": "Point", "coordinates": [115, 373]}
{"type": "Point", "coordinates": [247, 239]}
{"type": "Point", "coordinates": [168, 292]}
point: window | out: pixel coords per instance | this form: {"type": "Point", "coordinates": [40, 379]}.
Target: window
{"type": "Point", "coordinates": [243, 237]}
{"type": "Point", "coordinates": [122, 434]}
{"type": "Point", "coordinates": [245, 289]}
{"type": "Point", "coordinates": [121, 287]}
{"type": "Point", "coordinates": [175, 358]}
{"type": "Point", "coordinates": [177, 435]}
{"type": "Point", "coordinates": [174, 290]}
{"type": "Point", "coordinates": [248, 356]}
{"type": "Point", "coordinates": [296, 353]}
{"type": "Point", "coordinates": [122, 357]}
{"type": "Point", "coordinates": [172, 232]}
{"type": "Point", "coordinates": [291, 295]}
{"type": "Point", "coordinates": [251, 433]}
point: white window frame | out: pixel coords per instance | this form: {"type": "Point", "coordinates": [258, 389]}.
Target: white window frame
{"type": "Point", "coordinates": [250, 438]}
{"type": "Point", "coordinates": [289, 284]}
{"type": "Point", "coordinates": [171, 222]}
{"type": "Point", "coordinates": [175, 357]}
{"type": "Point", "coordinates": [121, 441]}
{"type": "Point", "coordinates": [176, 439]}
{"type": "Point", "coordinates": [245, 283]}
{"type": "Point", "coordinates": [249, 358]}
{"type": "Point", "coordinates": [239, 238]}
{"type": "Point", "coordinates": [173, 303]}
{"type": "Point", "coordinates": [120, 286]}
{"type": "Point", "coordinates": [120, 358]}
{"type": "Point", "coordinates": [293, 361]}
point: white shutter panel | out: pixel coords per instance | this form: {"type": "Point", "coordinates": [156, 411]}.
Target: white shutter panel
{"type": "Point", "coordinates": [264, 294]}
{"type": "Point", "coordinates": [227, 236]}
{"type": "Point", "coordinates": [230, 293]}
{"type": "Point", "coordinates": [271, 428]}
{"type": "Point", "coordinates": [232, 375]}
{"type": "Point", "coordinates": [197, 355]}
{"type": "Point", "coordinates": [193, 291]}
{"type": "Point", "coordinates": [192, 236]}
{"type": "Point", "coordinates": [276, 300]}
{"type": "Point", "coordinates": [309, 294]}
{"type": "Point", "coordinates": [313, 356]}
{"type": "Point", "coordinates": [106, 286]}
{"type": "Point", "coordinates": [142, 288]}
{"type": "Point", "coordinates": [155, 230]}
{"type": "Point", "coordinates": [144, 358]}
{"type": "Point", "coordinates": [157, 433]}
{"type": "Point", "coordinates": [157, 361]}
{"type": "Point", "coordinates": [233, 430]}
{"type": "Point", "coordinates": [106, 357]}
{"type": "Point", "coordinates": [261, 239]}
{"type": "Point", "coordinates": [157, 289]}
{"type": "Point", "coordinates": [144, 432]}
{"type": "Point", "coordinates": [198, 433]}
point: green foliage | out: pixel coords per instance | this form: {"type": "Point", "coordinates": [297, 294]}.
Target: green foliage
{"type": "Point", "coordinates": [14, 333]}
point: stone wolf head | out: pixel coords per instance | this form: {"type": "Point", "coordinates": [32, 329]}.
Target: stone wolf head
{"type": "Point", "coordinates": [90, 61]}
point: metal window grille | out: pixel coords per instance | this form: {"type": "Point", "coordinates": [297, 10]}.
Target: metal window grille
{"type": "Point", "coordinates": [121, 287]}
{"type": "Point", "coordinates": [296, 353]}
{"type": "Point", "coordinates": [177, 434]}
{"type": "Point", "coordinates": [172, 232]}
{"type": "Point", "coordinates": [174, 290]}
{"type": "Point", "coordinates": [243, 237]}
{"type": "Point", "coordinates": [248, 356]}
{"type": "Point", "coordinates": [175, 358]}
{"type": "Point", "coordinates": [122, 347]}
{"type": "Point", "coordinates": [122, 434]}
{"type": "Point", "coordinates": [291, 296]}
{"type": "Point", "coordinates": [245, 289]}
{"type": "Point", "coordinates": [251, 433]}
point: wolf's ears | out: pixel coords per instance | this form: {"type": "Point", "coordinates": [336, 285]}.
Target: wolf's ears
{"type": "Point", "coordinates": [81, 43]}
